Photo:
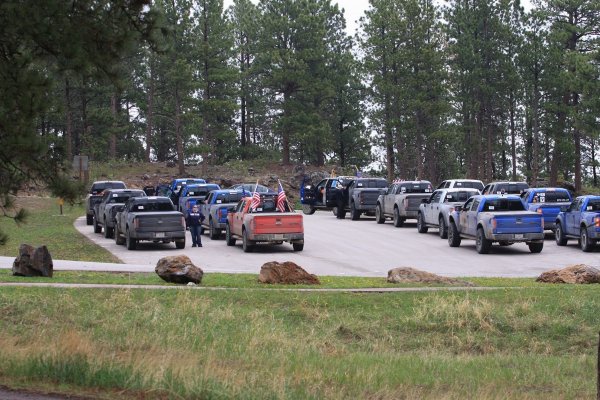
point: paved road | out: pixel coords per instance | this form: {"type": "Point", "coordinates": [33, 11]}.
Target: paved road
{"type": "Point", "coordinates": [360, 248]}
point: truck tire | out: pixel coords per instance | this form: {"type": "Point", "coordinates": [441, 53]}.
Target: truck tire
{"type": "Point", "coordinates": [559, 236]}
{"type": "Point", "coordinates": [454, 238]}
{"type": "Point", "coordinates": [89, 219]}
{"type": "Point", "coordinates": [180, 244]}
{"type": "Point", "coordinates": [108, 232]}
{"type": "Point", "coordinates": [443, 232]}
{"type": "Point", "coordinates": [482, 244]}
{"type": "Point", "coordinates": [298, 246]}
{"type": "Point", "coordinates": [97, 228]}
{"type": "Point", "coordinates": [213, 232]}
{"type": "Point", "coordinates": [379, 217]}
{"type": "Point", "coordinates": [421, 227]}
{"type": "Point", "coordinates": [228, 238]}
{"type": "Point", "coordinates": [246, 243]}
{"type": "Point", "coordinates": [585, 242]}
{"type": "Point", "coordinates": [354, 213]}
{"type": "Point", "coordinates": [130, 243]}
{"type": "Point", "coordinates": [398, 220]}
{"type": "Point", "coordinates": [308, 209]}
{"type": "Point", "coordinates": [536, 247]}
{"type": "Point", "coordinates": [118, 238]}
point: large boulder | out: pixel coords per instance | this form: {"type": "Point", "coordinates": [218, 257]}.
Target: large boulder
{"type": "Point", "coordinates": [286, 273]}
{"type": "Point", "coordinates": [178, 269]}
{"type": "Point", "coordinates": [33, 262]}
{"type": "Point", "coordinates": [412, 275]}
{"type": "Point", "coordinates": [579, 273]}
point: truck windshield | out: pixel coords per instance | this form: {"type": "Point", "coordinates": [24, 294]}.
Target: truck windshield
{"type": "Point", "coordinates": [551, 197]}
{"type": "Point", "coordinates": [159, 206]}
{"type": "Point", "coordinates": [453, 197]}
{"type": "Point", "coordinates": [503, 205]}
{"type": "Point", "coordinates": [593, 205]}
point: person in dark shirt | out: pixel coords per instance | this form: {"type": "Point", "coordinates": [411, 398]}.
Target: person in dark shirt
{"type": "Point", "coordinates": [194, 220]}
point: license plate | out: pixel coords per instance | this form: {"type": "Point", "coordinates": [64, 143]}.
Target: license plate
{"type": "Point", "coordinates": [159, 234]}
{"type": "Point", "coordinates": [519, 236]}
{"type": "Point", "coordinates": [277, 237]}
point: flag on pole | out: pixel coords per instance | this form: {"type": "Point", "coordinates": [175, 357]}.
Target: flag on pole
{"type": "Point", "coordinates": [281, 198]}
{"type": "Point", "coordinates": [255, 198]}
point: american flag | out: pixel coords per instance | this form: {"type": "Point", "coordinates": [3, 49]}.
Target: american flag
{"type": "Point", "coordinates": [281, 198]}
{"type": "Point", "coordinates": [255, 198]}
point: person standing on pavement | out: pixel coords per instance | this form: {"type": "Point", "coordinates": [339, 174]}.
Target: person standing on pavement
{"type": "Point", "coordinates": [194, 220]}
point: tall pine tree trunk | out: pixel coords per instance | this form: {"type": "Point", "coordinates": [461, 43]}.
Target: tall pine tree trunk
{"type": "Point", "coordinates": [150, 111]}
{"type": "Point", "coordinates": [69, 127]}
{"type": "Point", "coordinates": [178, 135]}
{"type": "Point", "coordinates": [112, 141]}
{"type": "Point", "coordinates": [285, 135]}
{"type": "Point", "coordinates": [513, 140]}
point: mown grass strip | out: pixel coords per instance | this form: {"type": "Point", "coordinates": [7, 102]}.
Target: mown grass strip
{"type": "Point", "coordinates": [288, 345]}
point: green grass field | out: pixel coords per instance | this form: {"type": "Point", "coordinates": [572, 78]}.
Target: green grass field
{"type": "Point", "coordinates": [524, 340]}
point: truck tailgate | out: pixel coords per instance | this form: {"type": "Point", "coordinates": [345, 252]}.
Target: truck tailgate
{"type": "Point", "coordinates": [413, 201]}
{"type": "Point", "coordinates": [518, 222]}
{"type": "Point", "coordinates": [152, 222]}
{"type": "Point", "coordinates": [277, 223]}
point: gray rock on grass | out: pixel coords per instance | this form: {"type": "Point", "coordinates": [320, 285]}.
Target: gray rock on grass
{"type": "Point", "coordinates": [412, 275]}
{"type": "Point", "coordinates": [178, 269]}
{"type": "Point", "coordinates": [33, 261]}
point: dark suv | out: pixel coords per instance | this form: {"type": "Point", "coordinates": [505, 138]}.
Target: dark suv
{"type": "Point", "coordinates": [95, 196]}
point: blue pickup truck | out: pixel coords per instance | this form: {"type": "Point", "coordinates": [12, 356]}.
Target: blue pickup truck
{"type": "Point", "coordinates": [548, 202]}
{"type": "Point", "coordinates": [580, 221]}
{"type": "Point", "coordinates": [215, 209]}
{"type": "Point", "coordinates": [496, 218]}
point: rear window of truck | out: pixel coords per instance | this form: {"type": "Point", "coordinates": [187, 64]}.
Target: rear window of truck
{"type": "Point", "coordinates": [503, 205]}
{"type": "Point", "coordinates": [100, 187]}
{"type": "Point", "coordinates": [416, 188]}
{"type": "Point", "coordinates": [453, 197]}
{"type": "Point", "coordinates": [593, 205]}
{"type": "Point", "coordinates": [160, 206]}
{"type": "Point", "coordinates": [551, 197]}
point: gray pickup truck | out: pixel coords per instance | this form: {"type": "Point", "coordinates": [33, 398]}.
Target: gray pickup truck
{"type": "Point", "coordinates": [95, 196]}
{"type": "Point", "coordinates": [360, 197]}
{"type": "Point", "coordinates": [402, 201]}
{"type": "Point", "coordinates": [151, 218]}
{"type": "Point", "coordinates": [434, 211]}
{"type": "Point", "coordinates": [112, 202]}
{"type": "Point", "coordinates": [215, 209]}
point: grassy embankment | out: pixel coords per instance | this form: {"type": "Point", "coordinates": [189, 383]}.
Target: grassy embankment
{"type": "Point", "coordinates": [537, 342]}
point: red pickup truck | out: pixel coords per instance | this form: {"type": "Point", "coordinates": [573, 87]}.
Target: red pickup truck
{"type": "Point", "coordinates": [264, 224]}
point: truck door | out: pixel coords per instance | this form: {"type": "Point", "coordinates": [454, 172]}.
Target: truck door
{"type": "Point", "coordinates": [432, 210]}
{"type": "Point", "coordinates": [320, 192]}
{"type": "Point", "coordinates": [389, 197]}
{"type": "Point", "coordinates": [572, 217]}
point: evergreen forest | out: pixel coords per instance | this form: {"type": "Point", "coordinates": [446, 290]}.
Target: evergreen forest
{"type": "Point", "coordinates": [480, 89]}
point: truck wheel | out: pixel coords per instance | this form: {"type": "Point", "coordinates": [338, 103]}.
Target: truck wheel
{"type": "Point", "coordinates": [89, 219]}
{"type": "Point", "coordinates": [246, 243]}
{"type": "Point", "coordinates": [180, 244]}
{"type": "Point", "coordinates": [108, 232]}
{"type": "Point", "coordinates": [298, 246]}
{"type": "Point", "coordinates": [308, 209]}
{"type": "Point", "coordinates": [97, 228]}
{"type": "Point", "coordinates": [559, 236]}
{"type": "Point", "coordinates": [354, 213]}
{"type": "Point", "coordinates": [482, 244]}
{"type": "Point", "coordinates": [421, 228]}
{"type": "Point", "coordinates": [379, 217]}
{"type": "Point", "coordinates": [453, 236]}
{"type": "Point", "coordinates": [536, 247]}
{"type": "Point", "coordinates": [398, 220]}
{"type": "Point", "coordinates": [443, 232]}
{"type": "Point", "coordinates": [118, 238]}
{"type": "Point", "coordinates": [130, 243]}
{"type": "Point", "coordinates": [586, 244]}
{"type": "Point", "coordinates": [214, 233]}
{"type": "Point", "coordinates": [228, 238]}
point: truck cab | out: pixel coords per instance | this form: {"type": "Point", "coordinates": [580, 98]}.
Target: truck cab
{"type": "Point", "coordinates": [325, 195]}
{"type": "Point", "coordinates": [580, 221]}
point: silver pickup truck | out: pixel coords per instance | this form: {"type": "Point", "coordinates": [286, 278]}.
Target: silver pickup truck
{"type": "Point", "coordinates": [151, 218]}
{"type": "Point", "coordinates": [111, 203]}
{"type": "Point", "coordinates": [402, 201]}
{"type": "Point", "coordinates": [434, 211]}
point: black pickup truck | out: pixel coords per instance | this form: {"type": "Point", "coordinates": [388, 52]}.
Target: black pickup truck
{"type": "Point", "coordinates": [343, 194]}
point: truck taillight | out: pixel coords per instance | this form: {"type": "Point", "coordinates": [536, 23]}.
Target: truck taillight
{"type": "Point", "coordinates": [182, 221]}
{"type": "Point", "coordinates": [539, 211]}
{"type": "Point", "coordinates": [494, 223]}
{"type": "Point", "coordinates": [597, 222]}
{"type": "Point", "coordinates": [405, 201]}
{"type": "Point", "coordinates": [136, 223]}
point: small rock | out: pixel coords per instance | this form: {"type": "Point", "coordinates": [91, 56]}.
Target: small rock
{"type": "Point", "coordinates": [286, 273]}
{"type": "Point", "coordinates": [579, 273]}
{"type": "Point", "coordinates": [178, 269]}
{"type": "Point", "coordinates": [412, 275]}
{"type": "Point", "coordinates": [33, 262]}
